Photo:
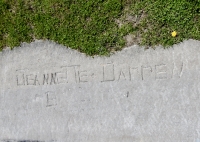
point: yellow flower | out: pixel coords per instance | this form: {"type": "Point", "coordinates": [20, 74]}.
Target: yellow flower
{"type": "Point", "coordinates": [174, 33]}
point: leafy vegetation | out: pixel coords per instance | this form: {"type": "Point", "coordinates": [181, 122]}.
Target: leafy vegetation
{"type": "Point", "coordinates": [98, 26]}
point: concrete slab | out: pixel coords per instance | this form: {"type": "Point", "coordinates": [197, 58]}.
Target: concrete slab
{"type": "Point", "coordinates": [50, 93]}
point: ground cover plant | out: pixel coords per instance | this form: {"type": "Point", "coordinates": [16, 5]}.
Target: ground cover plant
{"type": "Point", "coordinates": [97, 27]}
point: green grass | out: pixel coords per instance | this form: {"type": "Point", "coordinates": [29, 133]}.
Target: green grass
{"type": "Point", "coordinates": [91, 26]}
{"type": "Point", "coordinates": [163, 17]}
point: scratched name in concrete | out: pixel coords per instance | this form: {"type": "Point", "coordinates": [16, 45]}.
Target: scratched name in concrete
{"type": "Point", "coordinates": [104, 73]}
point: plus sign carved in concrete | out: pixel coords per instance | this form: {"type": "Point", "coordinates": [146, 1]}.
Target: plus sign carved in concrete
{"type": "Point", "coordinates": [52, 93]}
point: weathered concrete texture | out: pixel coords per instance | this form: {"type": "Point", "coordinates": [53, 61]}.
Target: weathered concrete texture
{"type": "Point", "coordinates": [50, 93]}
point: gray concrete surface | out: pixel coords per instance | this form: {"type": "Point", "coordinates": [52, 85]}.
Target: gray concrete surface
{"type": "Point", "coordinates": [50, 93]}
